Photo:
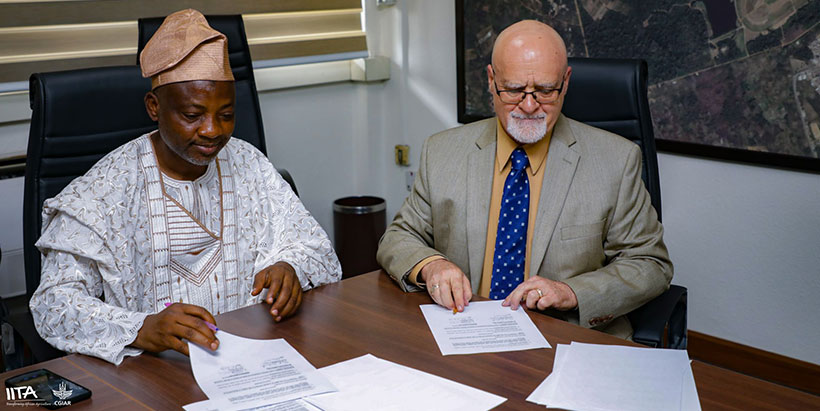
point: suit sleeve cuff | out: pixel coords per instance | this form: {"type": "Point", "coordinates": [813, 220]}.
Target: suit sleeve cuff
{"type": "Point", "coordinates": [585, 310]}
{"type": "Point", "coordinates": [413, 275]}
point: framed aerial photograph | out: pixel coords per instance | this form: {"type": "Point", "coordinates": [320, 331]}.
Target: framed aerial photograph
{"type": "Point", "coordinates": [729, 79]}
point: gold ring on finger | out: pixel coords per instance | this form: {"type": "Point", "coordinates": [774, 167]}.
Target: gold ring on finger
{"type": "Point", "coordinates": [540, 294]}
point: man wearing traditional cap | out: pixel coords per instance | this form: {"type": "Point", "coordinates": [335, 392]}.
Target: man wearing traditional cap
{"type": "Point", "coordinates": [531, 207]}
{"type": "Point", "coordinates": [177, 225]}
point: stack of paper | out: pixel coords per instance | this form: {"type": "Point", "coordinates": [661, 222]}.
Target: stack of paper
{"type": "Point", "coordinates": [370, 383]}
{"type": "Point", "coordinates": [608, 377]}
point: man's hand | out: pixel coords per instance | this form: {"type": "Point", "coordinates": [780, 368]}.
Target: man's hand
{"type": "Point", "coordinates": [553, 294]}
{"type": "Point", "coordinates": [447, 284]}
{"type": "Point", "coordinates": [167, 328]}
{"type": "Point", "coordinates": [283, 285]}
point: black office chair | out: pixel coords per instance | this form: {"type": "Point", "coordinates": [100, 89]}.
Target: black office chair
{"type": "Point", "coordinates": [611, 94]}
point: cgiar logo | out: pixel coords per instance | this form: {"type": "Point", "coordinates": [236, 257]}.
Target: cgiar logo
{"type": "Point", "coordinates": [62, 393]}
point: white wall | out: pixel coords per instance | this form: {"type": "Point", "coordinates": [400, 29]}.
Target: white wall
{"type": "Point", "coordinates": [12, 278]}
{"type": "Point", "coordinates": [312, 133]}
{"type": "Point", "coordinates": [745, 240]}
{"type": "Point", "coordinates": [13, 139]}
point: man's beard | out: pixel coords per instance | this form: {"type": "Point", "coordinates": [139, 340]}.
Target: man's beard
{"type": "Point", "coordinates": [526, 129]}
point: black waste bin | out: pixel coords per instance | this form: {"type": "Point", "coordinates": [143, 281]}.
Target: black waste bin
{"type": "Point", "coordinates": [358, 224]}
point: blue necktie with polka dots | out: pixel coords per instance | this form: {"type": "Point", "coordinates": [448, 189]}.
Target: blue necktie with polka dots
{"type": "Point", "coordinates": [511, 237]}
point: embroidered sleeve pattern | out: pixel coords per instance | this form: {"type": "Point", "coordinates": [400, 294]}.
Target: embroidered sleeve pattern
{"type": "Point", "coordinates": [67, 308]}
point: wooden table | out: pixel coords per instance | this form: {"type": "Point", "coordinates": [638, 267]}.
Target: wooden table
{"type": "Point", "coordinates": [370, 314]}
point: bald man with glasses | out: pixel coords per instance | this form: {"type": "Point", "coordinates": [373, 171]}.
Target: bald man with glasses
{"type": "Point", "coordinates": [531, 207]}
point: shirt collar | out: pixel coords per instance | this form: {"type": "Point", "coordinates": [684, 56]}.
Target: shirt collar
{"type": "Point", "coordinates": [536, 152]}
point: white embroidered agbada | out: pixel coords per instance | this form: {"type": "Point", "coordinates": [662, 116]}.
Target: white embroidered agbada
{"type": "Point", "coordinates": [126, 234]}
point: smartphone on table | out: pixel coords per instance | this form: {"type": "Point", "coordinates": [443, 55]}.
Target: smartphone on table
{"type": "Point", "coordinates": [44, 388]}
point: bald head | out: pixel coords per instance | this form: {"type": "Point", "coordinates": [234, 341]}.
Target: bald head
{"type": "Point", "coordinates": [528, 56]}
{"type": "Point", "coordinates": [529, 40]}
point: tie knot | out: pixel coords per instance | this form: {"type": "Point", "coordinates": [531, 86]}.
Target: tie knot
{"type": "Point", "coordinates": [519, 159]}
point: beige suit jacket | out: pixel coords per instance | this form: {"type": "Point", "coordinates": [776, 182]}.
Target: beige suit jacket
{"type": "Point", "coordinates": [595, 228]}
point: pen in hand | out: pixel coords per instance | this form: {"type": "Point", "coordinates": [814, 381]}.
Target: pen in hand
{"type": "Point", "coordinates": [211, 326]}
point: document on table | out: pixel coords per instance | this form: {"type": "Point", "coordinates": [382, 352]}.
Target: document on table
{"type": "Point", "coordinates": [292, 405]}
{"type": "Point", "coordinates": [606, 377]}
{"type": "Point", "coordinates": [246, 373]}
{"type": "Point", "coordinates": [371, 383]}
{"type": "Point", "coordinates": [484, 326]}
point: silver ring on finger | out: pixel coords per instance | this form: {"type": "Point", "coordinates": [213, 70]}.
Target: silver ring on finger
{"type": "Point", "coordinates": [434, 287]}
{"type": "Point", "coordinates": [540, 294]}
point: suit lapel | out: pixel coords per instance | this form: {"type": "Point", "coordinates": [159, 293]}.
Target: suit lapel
{"type": "Point", "coordinates": [560, 167]}
{"type": "Point", "coordinates": [480, 168]}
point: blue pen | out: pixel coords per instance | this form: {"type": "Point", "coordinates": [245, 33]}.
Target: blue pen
{"type": "Point", "coordinates": [211, 326]}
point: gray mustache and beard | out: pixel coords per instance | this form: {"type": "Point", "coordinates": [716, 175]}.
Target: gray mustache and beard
{"type": "Point", "coordinates": [526, 129]}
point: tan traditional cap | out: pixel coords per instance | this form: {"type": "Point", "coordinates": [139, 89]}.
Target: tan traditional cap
{"type": "Point", "coordinates": [185, 48]}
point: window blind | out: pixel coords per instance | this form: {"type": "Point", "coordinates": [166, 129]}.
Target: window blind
{"type": "Point", "coordinates": [38, 35]}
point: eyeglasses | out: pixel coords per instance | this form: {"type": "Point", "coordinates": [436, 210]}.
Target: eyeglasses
{"type": "Point", "coordinates": [541, 96]}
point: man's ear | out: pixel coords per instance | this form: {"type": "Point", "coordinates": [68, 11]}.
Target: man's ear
{"type": "Point", "coordinates": [490, 76]}
{"type": "Point", "coordinates": [567, 75]}
{"type": "Point", "coordinates": [152, 105]}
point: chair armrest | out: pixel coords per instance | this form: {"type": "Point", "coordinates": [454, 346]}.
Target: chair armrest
{"type": "Point", "coordinates": [284, 173]}
{"type": "Point", "coordinates": [23, 325]}
{"type": "Point", "coordinates": [665, 314]}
